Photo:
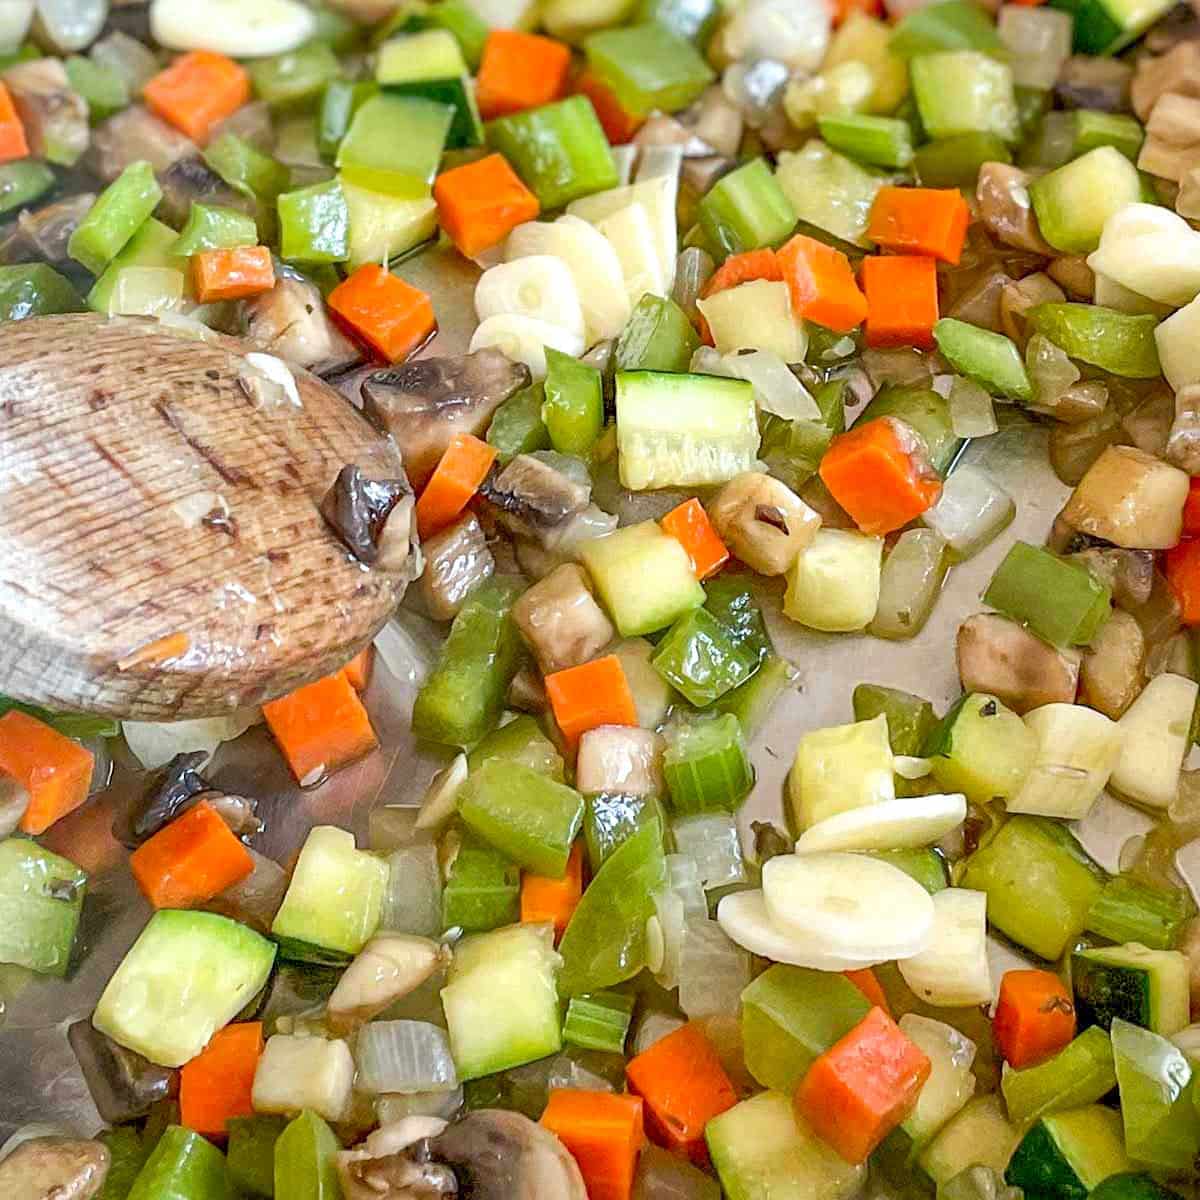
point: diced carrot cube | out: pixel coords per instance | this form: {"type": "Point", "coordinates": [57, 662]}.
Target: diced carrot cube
{"type": "Point", "coordinates": [197, 91]}
{"type": "Point", "coordinates": [689, 525]}
{"type": "Point", "coordinates": [591, 694]}
{"type": "Point", "coordinates": [215, 1086]}
{"type": "Point", "coordinates": [391, 316]}
{"type": "Point", "coordinates": [320, 727]}
{"type": "Point", "coordinates": [603, 1132]}
{"type": "Point", "coordinates": [902, 300]}
{"type": "Point", "coordinates": [912, 220]}
{"type": "Point", "coordinates": [1035, 1017]}
{"type": "Point", "coordinates": [54, 770]}
{"type": "Point", "coordinates": [480, 203]}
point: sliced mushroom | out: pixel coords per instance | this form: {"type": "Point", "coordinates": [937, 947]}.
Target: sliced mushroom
{"type": "Point", "coordinates": [124, 1085]}
{"type": "Point", "coordinates": [389, 966]}
{"type": "Point", "coordinates": [457, 560]}
{"type": "Point", "coordinates": [240, 813]}
{"type": "Point", "coordinates": [190, 180]}
{"type": "Point", "coordinates": [43, 234]}
{"type": "Point", "coordinates": [14, 800]}
{"type": "Point", "coordinates": [1110, 676]}
{"type": "Point", "coordinates": [372, 517]}
{"type": "Point", "coordinates": [1131, 499]}
{"type": "Point", "coordinates": [1072, 273]}
{"type": "Point", "coordinates": [54, 115]}
{"type": "Point", "coordinates": [166, 793]}
{"type": "Point", "coordinates": [1172, 145]}
{"type": "Point", "coordinates": [1177, 71]}
{"type": "Point", "coordinates": [380, 1169]}
{"type": "Point", "coordinates": [998, 656]}
{"type": "Point", "coordinates": [256, 899]}
{"type": "Point", "coordinates": [763, 521]}
{"type": "Point", "coordinates": [978, 302]}
{"type": "Point", "coordinates": [1087, 82]}
{"type": "Point", "coordinates": [663, 130]}
{"type": "Point", "coordinates": [1128, 573]}
{"type": "Point", "coordinates": [1020, 296]}
{"type": "Point", "coordinates": [134, 134]}
{"type": "Point", "coordinates": [527, 693]}
{"type": "Point", "coordinates": [54, 1168]}
{"type": "Point", "coordinates": [291, 321]}
{"type": "Point", "coordinates": [1183, 440]}
{"type": "Point", "coordinates": [533, 498]}
{"type": "Point", "coordinates": [1006, 209]}
{"type": "Point", "coordinates": [423, 404]}
{"type": "Point", "coordinates": [1076, 447]}
{"type": "Point", "coordinates": [560, 620]}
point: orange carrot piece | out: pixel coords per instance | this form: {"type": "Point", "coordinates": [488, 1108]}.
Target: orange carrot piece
{"type": "Point", "coordinates": [190, 860]}
{"type": "Point", "coordinates": [320, 727]}
{"type": "Point", "coordinates": [879, 474]}
{"type": "Point", "coordinates": [480, 203]}
{"type": "Point", "coordinates": [554, 900]}
{"type": "Point", "coordinates": [902, 300]}
{"type": "Point", "coordinates": [591, 694]}
{"type": "Point", "coordinates": [1183, 576]}
{"type": "Point", "coordinates": [863, 1086]}
{"type": "Point", "coordinates": [519, 71]}
{"type": "Point", "coordinates": [233, 273]}
{"type": "Point", "coordinates": [456, 478]}
{"type": "Point", "coordinates": [604, 1133]}
{"type": "Point", "coordinates": [821, 284]}
{"type": "Point", "coordinates": [1035, 1017]}
{"type": "Point", "coordinates": [689, 525]}
{"type": "Point", "coordinates": [911, 220]}
{"type": "Point", "coordinates": [744, 268]}
{"type": "Point", "coordinates": [870, 987]}
{"type": "Point", "coordinates": [197, 91]}
{"type": "Point", "coordinates": [1191, 510]}
{"type": "Point", "coordinates": [358, 669]}
{"type": "Point", "coordinates": [13, 143]}
{"type": "Point", "coordinates": [618, 123]}
{"type": "Point", "coordinates": [842, 10]}
{"type": "Point", "coordinates": [214, 1087]}
{"type": "Point", "coordinates": [391, 316]}
{"type": "Point", "coordinates": [684, 1086]}
{"type": "Point", "coordinates": [55, 771]}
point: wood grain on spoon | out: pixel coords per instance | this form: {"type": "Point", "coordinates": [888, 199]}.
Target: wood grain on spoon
{"type": "Point", "coordinates": [161, 550]}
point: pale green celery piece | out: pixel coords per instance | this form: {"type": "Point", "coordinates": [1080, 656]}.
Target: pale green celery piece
{"type": "Point", "coordinates": [118, 213]}
{"type": "Point", "coordinates": [522, 741]}
{"type": "Point", "coordinates": [1082, 1072]}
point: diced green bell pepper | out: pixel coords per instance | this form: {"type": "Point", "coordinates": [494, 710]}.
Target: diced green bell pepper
{"type": "Point", "coordinates": [746, 209]}
{"type": "Point", "coordinates": [246, 169]}
{"type": "Point", "coordinates": [214, 227]}
{"type": "Point", "coordinates": [573, 408]}
{"type": "Point", "coordinates": [648, 67]}
{"type": "Point", "coordinates": [517, 427]}
{"type": "Point", "coordinates": [955, 161]}
{"type": "Point", "coordinates": [1113, 341]}
{"type": "Point", "coordinates": [105, 91]}
{"type": "Point", "coordinates": [991, 359]}
{"type": "Point", "coordinates": [700, 659]}
{"type": "Point", "coordinates": [119, 212]}
{"type": "Point", "coordinates": [483, 889]}
{"type": "Point", "coordinates": [22, 182]}
{"type": "Point", "coordinates": [925, 867]}
{"type": "Point", "coordinates": [305, 1160]}
{"type": "Point", "coordinates": [559, 150]}
{"type": "Point", "coordinates": [314, 224]}
{"type": "Point", "coordinates": [41, 895]}
{"type": "Point", "coordinates": [251, 1152]}
{"type": "Point", "coordinates": [35, 290]}
{"type": "Point", "coordinates": [394, 144]}
{"type": "Point", "coordinates": [126, 1157]}
{"type": "Point", "coordinates": [293, 81]}
{"type": "Point", "coordinates": [657, 337]}
{"type": "Point", "coordinates": [184, 1166]}
{"type": "Point", "coordinates": [339, 102]}
{"type": "Point", "coordinates": [730, 598]}
{"type": "Point", "coordinates": [612, 819]}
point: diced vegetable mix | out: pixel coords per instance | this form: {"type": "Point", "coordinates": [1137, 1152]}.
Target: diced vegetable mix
{"type": "Point", "coordinates": [763, 267]}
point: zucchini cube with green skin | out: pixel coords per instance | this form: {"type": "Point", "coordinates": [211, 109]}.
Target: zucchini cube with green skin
{"type": "Point", "coordinates": [1082, 1072]}
{"type": "Point", "coordinates": [183, 1166]}
{"type": "Point", "coordinates": [648, 67]}
{"type": "Point", "coordinates": [523, 813]}
{"type": "Point", "coordinates": [335, 895]}
{"type": "Point", "coordinates": [965, 91]}
{"type": "Point", "coordinates": [1106, 26]}
{"type": "Point", "coordinates": [1073, 202]}
{"type": "Point", "coordinates": [790, 1017]}
{"type": "Point", "coordinates": [910, 719]}
{"type": "Point", "coordinates": [501, 1000]}
{"type": "Point", "coordinates": [41, 896]}
{"type": "Point", "coordinates": [982, 749]}
{"type": "Point", "coordinates": [383, 227]}
{"type": "Point", "coordinates": [1067, 1154]}
{"type": "Point", "coordinates": [431, 64]}
{"type": "Point", "coordinates": [306, 1160]}
{"type": "Point", "coordinates": [829, 190]}
{"type": "Point", "coordinates": [395, 143]}
{"type": "Point", "coordinates": [35, 290]}
{"type": "Point", "coordinates": [658, 337]}
{"type": "Point", "coordinates": [840, 768]}
{"type": "Point", "coordinates": [760, 1149]}
{"type": "Point", "coordinates": [1039, 884]}
{"type": "Point", "coordinates": [1144, 987]}
{"type": "Point", "coordinates": [643, 576]}
{"type": "Point", "coordinates": [187, 976]}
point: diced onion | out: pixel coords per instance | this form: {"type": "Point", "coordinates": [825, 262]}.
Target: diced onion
{"type": "Point", "coordinates": [909, 584]}
{"type": "Point", "coordinates": [1107, 828]}
{"type": "Point", "coordinates": [1050, 371]}
{"type": "Point", "coordinates": [683, 878]}
{"type": "Point", "coordinates": [972, 413]}
{"type": "Point", "coordinates": [776, 388]}
{"type": "Point", "coordinates": [1039, 41]}
{"type": "Point", "coordinates": [412, 902]}
{"type": "Point", "coordinates": [400, 1105]}
{"type": "Point", "coordinates": [403, 1056]}
{"type": "Point", "coordinates": [795, 32]}
{"type": "Point", "coordinates": [972, 510]}
{"type": "Point", "coordinates": [653, 1027]}
{"type": "Point", "coordinates": [712, 841]}
{"type": "Point", "coordinates": [713, 970]}
{"type": "Point", "coordinates": [154, 744]}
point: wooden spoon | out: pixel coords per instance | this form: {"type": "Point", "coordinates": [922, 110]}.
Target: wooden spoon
{"type": "Point", "coordinates": [161, 550]}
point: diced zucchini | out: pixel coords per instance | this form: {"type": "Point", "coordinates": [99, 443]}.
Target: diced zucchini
{"type": "Point", "coordinates": [383, 227]}
{"type": "Point", "coordinates": [644, 577]}
{"type": "Point", "coordinates": [950, 1084]}
{"type": "Point", "coordinates": [965, 91]}
{"type": "Point", "coordinates": [1082, 1072]}
{"type": "Point", "coordinates": [1145, 987]}
{"type": "Point", "coordinates": [755, 316]}
{"type": "Point", "coordinates": [41, 895]}
{"type": "Point", "coordinates": [150, 246]}
{"type": "Point", "coordinates": [336, 893]}
{"type": "Point", "coordinates": [760, 1149]}
{"type": "Point", "coordinates": [187, 975]}
{"type": "Point", "coordinates": [482, 890]}
{"type": "Point", "coordinates": [829, 190]}
{"type": "Point", "coordinates": [1157, 733]}
{"type": "Point", "coordinates": [981, 748]}
{"type": "Point", "coordinates": [683, 430]}
{"type": "Point", "coordinates": [430, 64]}
{"type": "Point", "coordinates": [1106, 26]}
{"type": "Point", "coordinates": [834, 583]}
{"type": "Point", "coordinates": [1073, 202]}
{"type": "Point", "coordinates": [840, 768]}
{"type": "Point", "coordinates": [1067, 1154]}
{"type": "Point", "coordinates": [501, 1001]}
{"type": "Point", "coordinates": [1039, 884]}
{"type": "Point", "coordinates": [979, 1136]}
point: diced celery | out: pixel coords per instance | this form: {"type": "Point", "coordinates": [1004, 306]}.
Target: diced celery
{"type": "Point", "coordinates": [1118, 130]}
{"type": "Point", "coordinates": [840, 768]}
{"type": "Point", "coordinates": [964, 91]}
{"type": "Point", "coordinates": [119, 212]}
{"type": "Point", "coordinates": [746, 209]}
{"type": "Point", "coordinates": [306, 1160]}
{"type": "Point", "coordinates": [1039, 884]}
{"type": "Point", "coordinates": [127, 1155]}
{"type": "Point", "coordinates": [314, 224]}
{"type": "Point", "coordinates": [612, 818]}
{"type": "Point", "coordinates": [1130, 911]}
{"type": "Point", "coordinates": [573, 409]}
{"type": "Point", "coordinates": [482, 890]}
{"type": "Point", "coordinates": [245, 168]}
{"type": "Point", "coordinates": [22, 182]}
{"type": "Point", "coordinates": [700, 659]}
{"type": "Point", "coordinates": [731, 600]}
{"type": "Point", "coordinates": [522, 741]}
{"type": "Point", "coordinates": [648, 67]}
{"type": "Point", "coordinates": [1082, 1072]}
{"type": "Point", "coordinates": [150, 246]}
{"type": "Point", "coordinates": [955, 161]}
{"type": "Point", "coordinates": [394, 144]}
{"type": "Point", "coordinates": [981, 748]}
{"type": "Point", "coordinates": [384, 227]}
{"type": "Point", "coordinates": [834, 583]}
{"type": "Point", "coordinates": [214, 227]}
{"type": "Point", "coordinates": [947, 25]}
{"type": "Point", "coordinates": [35, 290]}
{"type": "Point", "coordinates": [910, 719]}
{"type": "Point", "coordinates": [294, 80]}
{"type": "Point", "coordinates": [880, 141]}
{"type": "Point", "coordinates": [707, 767]}
{"type": "Point", "coordinates": [991, 359]}
{"type": "Point", "coordinates": [599, 1021]}
{"type": "Point", "coordinates": [751, 703]}
{"type": "Point", "coordinates": [524, 814]}
{"type": "Point", "coordinates": [184, 1165]}
{"type": "Point", "coordinates": [658, 337]}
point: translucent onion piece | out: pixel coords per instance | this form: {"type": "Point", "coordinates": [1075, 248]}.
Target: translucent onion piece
{"type": "Point", "coordinates": [972, 510]}
{"type": "Point", "coordinates": [391, 827]}
{"type": "Point", "coordinates": [1187, 1040]}
{"type": "Point", "coordinates": [671, 918]}
{"type": "Point", "coordinates": [1039, 41]}
{"type": "Point", "coordinates": [413, 900]}
{"type": "Point", "coordinates": [403, 1056]}
{"type": "Point", "coordinates": [909, 584]}
{"type": "Point", "coordinates": [398, 1106]}
{"type": "Point", "coordinates": [665, 1176]}
{"type": "Point", "coordinates": [901, 367]}
{"type": "Point", "coordinates": [653, 1027]}
{"type": "Point", "coordinates": [693, 270]}
{"type": "Point", "coordinates": [908, 767]}
{"type": "Point", "coordinates": [713, 970]}
{"type": "Point", "coordinates": [1050, 371]}
{"type": "Point", "coordinates": [712, 841]}
{"type": "Point", "coordinates": [146, 292]}
{"type": "Point", "coordinates": [683, 878]}
{"type": "Point", "coordinates": [409, 646]}
{"type": "Point", "coordinates": [776, 389]}
{"type": "Point", "coordinates": [154, 744]}
{"type": "Point", "coordinates": [706, 361]}
{"type": "Point", "coordinates": [1187, 863]}
{"type": "Point", "coordinates": [972, 413]}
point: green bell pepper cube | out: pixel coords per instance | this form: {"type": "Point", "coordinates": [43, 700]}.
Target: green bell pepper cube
{"type": "Point", "coordinates": [955, 161]}
{"type": "Point", "coordinates": [517, 427]}
{"type": "Point", "coordinates": [573, 409]}
{"type": "Point", "coordinates": [1129, 911]}
{"type": "Point", "coordinates": [482, 890]}
{"type": "Point", "coordinates": [880, 141]}
{"type": "Point", "coordinates": [251, 1152]}
{"type": "Point", "coordinates": [559, 150]}
{"type": "Point", "coordinates": [700, 659]}
{"type": "Point", "coordinates": [126, 1157]}
{"type": "Point", "coordinates": [730, 598]}
{"type": "Point", "coordinates": [611, 819]}
{"type": "Point", "coordinates": [246, 169]}
{"type": "Point", "coordinates": [151, 246]}
{"type": "Point", "coordinates": [531, 818]}
{"type": "Point", "coordinates": [657, 337]}
{"type": "Point", "coordinates": [648, 67]}
{"type": "Point", "coordinates": [22, 182]}
{"type": "Point", "coordinates": [1082, 1072]}
{"type": "Point", "coordinates": [105, 91]}
{"type": "Point", "coordinates": [599, 1021]}
{"type": "Point", "coordinates": [991, 359]}
{"type": "Point", "coordinates": [119, 212]}
{"type": "Point", "coordinates": [41, 895]}
{"type": "Point", "coordinates": [72, 725]}
{"type": "Point", "coordinates": [1093, 128]}
{"type": "Point", "coordinates": [306, 1160]}
{"type": "Point", "coordinates": [694, 20]}
{"type": "Point", "coordinates": [752, 702]}
{"type": "Point", "coordinates": [430, 64]}
{"type": "Point", "coordinates": [293, 81]}
{"type": "Point", "coordinates": [184, 1166]}
{"type": "Point", "coordinates": [707, 767]}
{"type": "Point", "coordinates": [950, 25]}
{"type": "Point", "coordinates": [1113, 341]}
{"type": "Point", "coordinates": [925, 867]}
{"type": "Point", "coordinates": [522, 741]}
{"type": "Point", "coordinates": [314, 224]}
{"type": "Point", "coordinates": [463, 698]}
{"type": "Point", "coordinates": [214, 227]}
{"type": "Point", "coordinates": [745, 210]}
{"type": "Point", "coordinates": [35, 290]}
{"type": "Point", "coordinates": [340, 101]}
{"type": "Point", "coordinates": [394, 144]}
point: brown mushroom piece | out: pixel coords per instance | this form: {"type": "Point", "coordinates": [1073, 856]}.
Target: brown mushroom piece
{"type": "Point", "coordinates": [1172, 145]}
{"type": "Point", "coordinates": [1110, 675]}
{"type": "Point", "coordinates": [1129, 574]}
{"type": "Point", "coordinates": [1183, 440]}
{"type": "Point", "coordinates": [54, 115]}
{"type": "Point", "coordinates": [457, 560]}
{"type": "Point", "coordinates": [389, 966]}
{"type": "Point", "coordinates": [998, 656]}
{"type": "Point", "coordinates": [1006, 209]}
{"type": "Point", "coordinates": [44, 233]}
{"type": "Point", "coordinates": [124, 1086]}
{"type": "Point", "coordinates": [1019, 296]}
{"type": "Point", "coordinates": [423, 404]}
{"type": "Point", "coordinates": [536, 495]}
{"type": "Point", "coordinates": [14, 800]}
{"type": "Point", "coordinates": [374, 518]}
{"type": "Point", "coordinates": [291, 321]}
{"type": "Point", "coordinates": [133, 134]}
{"type": "Point", "coordinates": [190, 180]}
{"type": "Point", "coordinates": [560, 620]}
{"type": "Point", "coordinates": [1074, 276]}
{"type": "Point", "coordinates": [1176, 71]}
{"type": "Point", "coordinates": [165, 794]}
{"type": "Point", "coordinates": [1097, 83]}
{"type": "Point", "coordinates": [54, 1168]}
